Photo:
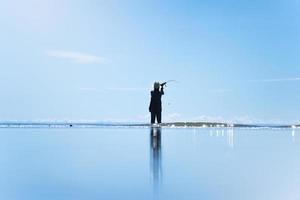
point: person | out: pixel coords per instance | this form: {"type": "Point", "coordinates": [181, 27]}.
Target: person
{"type": "Point", "coordinates": [155, 103]}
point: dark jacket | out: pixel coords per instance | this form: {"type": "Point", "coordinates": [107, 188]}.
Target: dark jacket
{"type": "Point", "coordinates": [155, 103]}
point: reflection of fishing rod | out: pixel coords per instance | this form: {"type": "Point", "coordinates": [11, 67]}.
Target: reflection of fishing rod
{"type": "Point", "coordinates": [165, 83]}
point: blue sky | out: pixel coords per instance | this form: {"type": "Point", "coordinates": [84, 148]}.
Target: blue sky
{"type": "Point", "coordinates": [97, 60]}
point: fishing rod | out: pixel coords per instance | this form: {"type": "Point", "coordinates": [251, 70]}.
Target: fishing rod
{"type": "Point", "coordinates": [165, 83]}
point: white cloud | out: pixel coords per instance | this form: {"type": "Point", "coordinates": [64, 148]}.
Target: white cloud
{"type": "Point", "coordinates": [277, 80]}
{"type": "Point", "coordinates": [220, 91]}
{"type": "Point", "coordinates": [206, 118]}
{"type": "Point", "coordinates": [88, 89]}
{"type": "Point", "coordinates": [113, 89]}
{"type": "Point", "coordinates": [172, 117]}
{"type": "Point", "coordinates": [77, 57]}
{"type": "Point", "coordinates": [236, 120]}
{"type": "Point", "coordinates": [128, 89]}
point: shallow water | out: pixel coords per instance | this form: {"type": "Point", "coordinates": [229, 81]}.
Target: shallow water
{"type": "Point", "coordinates": [144, 163]}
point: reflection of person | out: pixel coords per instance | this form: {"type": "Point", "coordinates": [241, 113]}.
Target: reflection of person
{"type": "Point", "coordinates": [155, 158]}
{"type": "Point", "coordinates": [155, 103]}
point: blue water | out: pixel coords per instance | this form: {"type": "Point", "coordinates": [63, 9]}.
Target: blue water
{"type": "Point", "coordinates": [140, 163]}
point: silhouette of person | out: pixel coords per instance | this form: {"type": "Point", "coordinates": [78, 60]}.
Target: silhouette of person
{"type": "Point", "coordinates": [155, 103]}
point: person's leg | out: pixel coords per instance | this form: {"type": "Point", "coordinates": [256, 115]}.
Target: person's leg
{"type": "Point", "coordinates": [158, 115]}
{"type": "Point", "coordinates": [152, 117]}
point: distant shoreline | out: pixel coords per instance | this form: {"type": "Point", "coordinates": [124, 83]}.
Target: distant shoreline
{"type": "Point", "coordinates": [70, 124]}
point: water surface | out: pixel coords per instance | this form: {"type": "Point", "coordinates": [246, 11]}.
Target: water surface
{"type": "Point", "coordinates": [143, 163]}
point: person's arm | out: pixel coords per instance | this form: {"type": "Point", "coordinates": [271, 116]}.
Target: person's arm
{"type": "Point", "coordinates": [162, 90]}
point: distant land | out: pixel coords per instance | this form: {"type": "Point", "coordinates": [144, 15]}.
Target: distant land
{"type": "Point", "coordinates": [220, 125]}
{"type": "Point", "coordinates": [65, 124]}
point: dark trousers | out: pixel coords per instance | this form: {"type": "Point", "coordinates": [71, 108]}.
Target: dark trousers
{"type": "Point", "coordinates": [156, 115]}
